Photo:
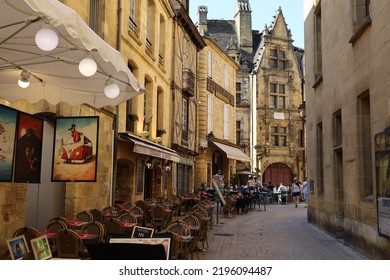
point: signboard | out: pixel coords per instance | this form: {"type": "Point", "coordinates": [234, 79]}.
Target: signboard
{"type": "Point", "coordinates": [217, 179]}
{"type": "Point", "coordinates": [142, 232]}
{"type": "Point", "coordinates": [382, 160]}
{"type": "Point", "coordinates": [384, 215]}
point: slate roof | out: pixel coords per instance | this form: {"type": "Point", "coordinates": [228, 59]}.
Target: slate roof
{"type": "Point", "coordinates": [222, 32]}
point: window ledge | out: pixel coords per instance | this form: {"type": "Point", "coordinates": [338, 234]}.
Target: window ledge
{"type": "Point", "coordinates": [135, 36]}
{"type": "Point", "coordinates": [360, 31]}
{"type": "Point", "coordinates": [318, 80]}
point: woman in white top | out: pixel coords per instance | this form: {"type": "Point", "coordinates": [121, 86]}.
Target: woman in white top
{"type": "Point", "coordinates": [296, 191]}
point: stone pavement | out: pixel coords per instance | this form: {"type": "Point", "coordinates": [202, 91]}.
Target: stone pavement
{"type": "Point", "coordinates": [280, 233]}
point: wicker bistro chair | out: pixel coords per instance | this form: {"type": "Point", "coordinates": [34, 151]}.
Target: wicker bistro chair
{"type": "Point", "coordinates": [93, 227]}
{"type": "Point", "coordinates": [139, 213]}
{"type": "Point", "coordinates": [146, 217]}
{"type": "Point", "coordinates": [128, 205]}
{"type": "Point", "coordinates": [183, 232]}
{"type": "Point", "coordinates": [51, 229]}
{"type": "Point", "coordinates": [97, 215]}
{"type": "Point", "coordinates": [229, 209]}
{"type": "Point", "coordinates": [128, 221]}
{"type": "Point", "coordinates": [54, 226]}
{"type": "Point", "coordinates": [195, 227]}
{"type": "Point", "coordinates": [202, 233]}
{"type": "Point", "coordinates": [68, 244]}
{"type": "Point", "coordinates": [110, 212]}
{"type": "Point", "coordinates": [85, 216]}
{"type": "Point", "coordinates": [62, 219]}
{"type": "Point", "coordinates": [159, 217]}
{"type": "Point", "coordinates": [113, 225]}
{"type": "Point", "coordinates": [29, 233]}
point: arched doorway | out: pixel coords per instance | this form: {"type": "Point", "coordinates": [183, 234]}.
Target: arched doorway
{"type": "Point", "coordinates": [124, 181]}
{"type": "Point", "coordinates": [217, 162]}
{"type": "Point", "coordinates": [278, 173]}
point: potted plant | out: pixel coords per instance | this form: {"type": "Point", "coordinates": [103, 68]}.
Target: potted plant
{"type": "Point", "coordinates": [160, 132]}
{"type": "Point", "coordinates": [147, 122]}
{"type": "Point", "coordinates": [132, 117]}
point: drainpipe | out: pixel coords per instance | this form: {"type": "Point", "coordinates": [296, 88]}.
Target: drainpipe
{"type": "Point", "coordinates": [172, 128]}
{"type": "Point", "coordinates": [115, 148]}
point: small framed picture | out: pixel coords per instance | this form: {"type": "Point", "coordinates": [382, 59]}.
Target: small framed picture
{"type": "Point", "coordinates": [41, 248]}
{"type": "Point", "coordinates": [142, 232]}
{"type": "Point", "coordinates": [17, 247]}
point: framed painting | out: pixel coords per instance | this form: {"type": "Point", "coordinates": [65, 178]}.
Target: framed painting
{"type": "Point", "coordinates": [41, 248]}
{"type": "Point", "coordinates": [8, 123]}
{"type": "Point", "coordinates": [28, 156]}
{"type": "Point", "coordinates": [17, 247]}
{"type": "Point", "coordinates": [75, 149]}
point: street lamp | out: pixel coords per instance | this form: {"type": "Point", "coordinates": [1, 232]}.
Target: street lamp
{"type": "Point", "coordinates": [302, 110]}
{"type": "Point", "coordinates": [149, 164]}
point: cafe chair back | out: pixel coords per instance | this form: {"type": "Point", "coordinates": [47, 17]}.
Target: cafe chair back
{"type": "Point", "coordinates": [62, 219]}
{"type": "Point", "coordinates": [128, 205]}
{"type": "Point", "coordinates": [113, 226]}
{"type": "Point", "coordinates": [97, 215]}
{"type": "Point", "coordinates": [93, 227]}
{"type": "Point", "coordinates": [179, 227]}
{"type": "Point", "coordinates": [29, 233]}
{"type": "Point", "coordinates": [84, 216]}
{"type": "Point", "coordinates": [68, 244]}
{"type": "Point", "coordinates": [128, 218]}
{"type": "Point", "coordinates": [55, 226]}
{"type": "Point", "coordinates": [158, 215]}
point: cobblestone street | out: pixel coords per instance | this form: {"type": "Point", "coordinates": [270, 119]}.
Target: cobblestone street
{"type": "Point", "coordinates": [280, 233]}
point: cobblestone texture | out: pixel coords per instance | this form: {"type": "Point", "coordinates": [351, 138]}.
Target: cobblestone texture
{"type": "Point", "coordinates": [280, 233]}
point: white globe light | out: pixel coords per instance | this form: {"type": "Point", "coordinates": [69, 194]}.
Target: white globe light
{"type": "Point", "coordinates": [23, 83]}
{"type": "Point", "coordinates": [46, 38]}
{"type": "Point", "coordinates": [87, 66]}
{"type": "Point", "coordinates": [111, 90]}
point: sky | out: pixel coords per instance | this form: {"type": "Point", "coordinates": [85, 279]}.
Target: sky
{"type": "Point", "coordinates": [262, 13]}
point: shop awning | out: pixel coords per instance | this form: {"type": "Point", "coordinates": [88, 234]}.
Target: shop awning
{"type": "Point", "coordinates": [149, 148]}
{"type": "Point", "coordinates": [232, 152]}
{"type": "Point", "coordinates": [55, 76]}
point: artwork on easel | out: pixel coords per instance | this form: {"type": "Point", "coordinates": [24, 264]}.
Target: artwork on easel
{"type": "Point", "coordinates": [41, 248]}
{"type": "Point", "coordinates": [17, 247]}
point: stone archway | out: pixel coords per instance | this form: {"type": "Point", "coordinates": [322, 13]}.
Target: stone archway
{"type": "Point", "coordinates": [278, 172]}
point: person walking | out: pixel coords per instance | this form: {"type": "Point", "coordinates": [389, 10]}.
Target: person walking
{"type": "Point", "coordinates": [296, 191]}
{"type": "Point", "coordinates": [305, 192]}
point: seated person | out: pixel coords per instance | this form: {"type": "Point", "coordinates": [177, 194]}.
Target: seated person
{"type": "Point", "coordinates": [284, 193]}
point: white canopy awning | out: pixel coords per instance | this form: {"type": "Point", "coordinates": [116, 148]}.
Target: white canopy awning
{"type": "Point", "coordinates": [232, 152]}
{"type": "Point", "coordinates": [145, 147]}
{"type": "Point", "coordinates": [54, 75]}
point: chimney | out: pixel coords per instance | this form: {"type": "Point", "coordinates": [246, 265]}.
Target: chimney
{"type": "Point", "coordinates": [243, 19]}
{"type": "Point", "coordinates": [202, 19]}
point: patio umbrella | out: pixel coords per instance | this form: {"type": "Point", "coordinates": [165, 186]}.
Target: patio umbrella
{"type": "Point", "coordinates": [54, 75]}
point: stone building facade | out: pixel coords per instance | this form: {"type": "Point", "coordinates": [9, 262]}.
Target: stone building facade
{"type": "Point", "coordinates": [33, 204]}
{"type": "Point", "coordinates": [218, 153]}
{"type": "Point", "coordinates": [348, 121]}
{"type": "Point", "coordinates": [268, 125]}
{"type": "Point", "coordinates": [278, 93]}
{"type": "Point", "coordinates": [146, 164]}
